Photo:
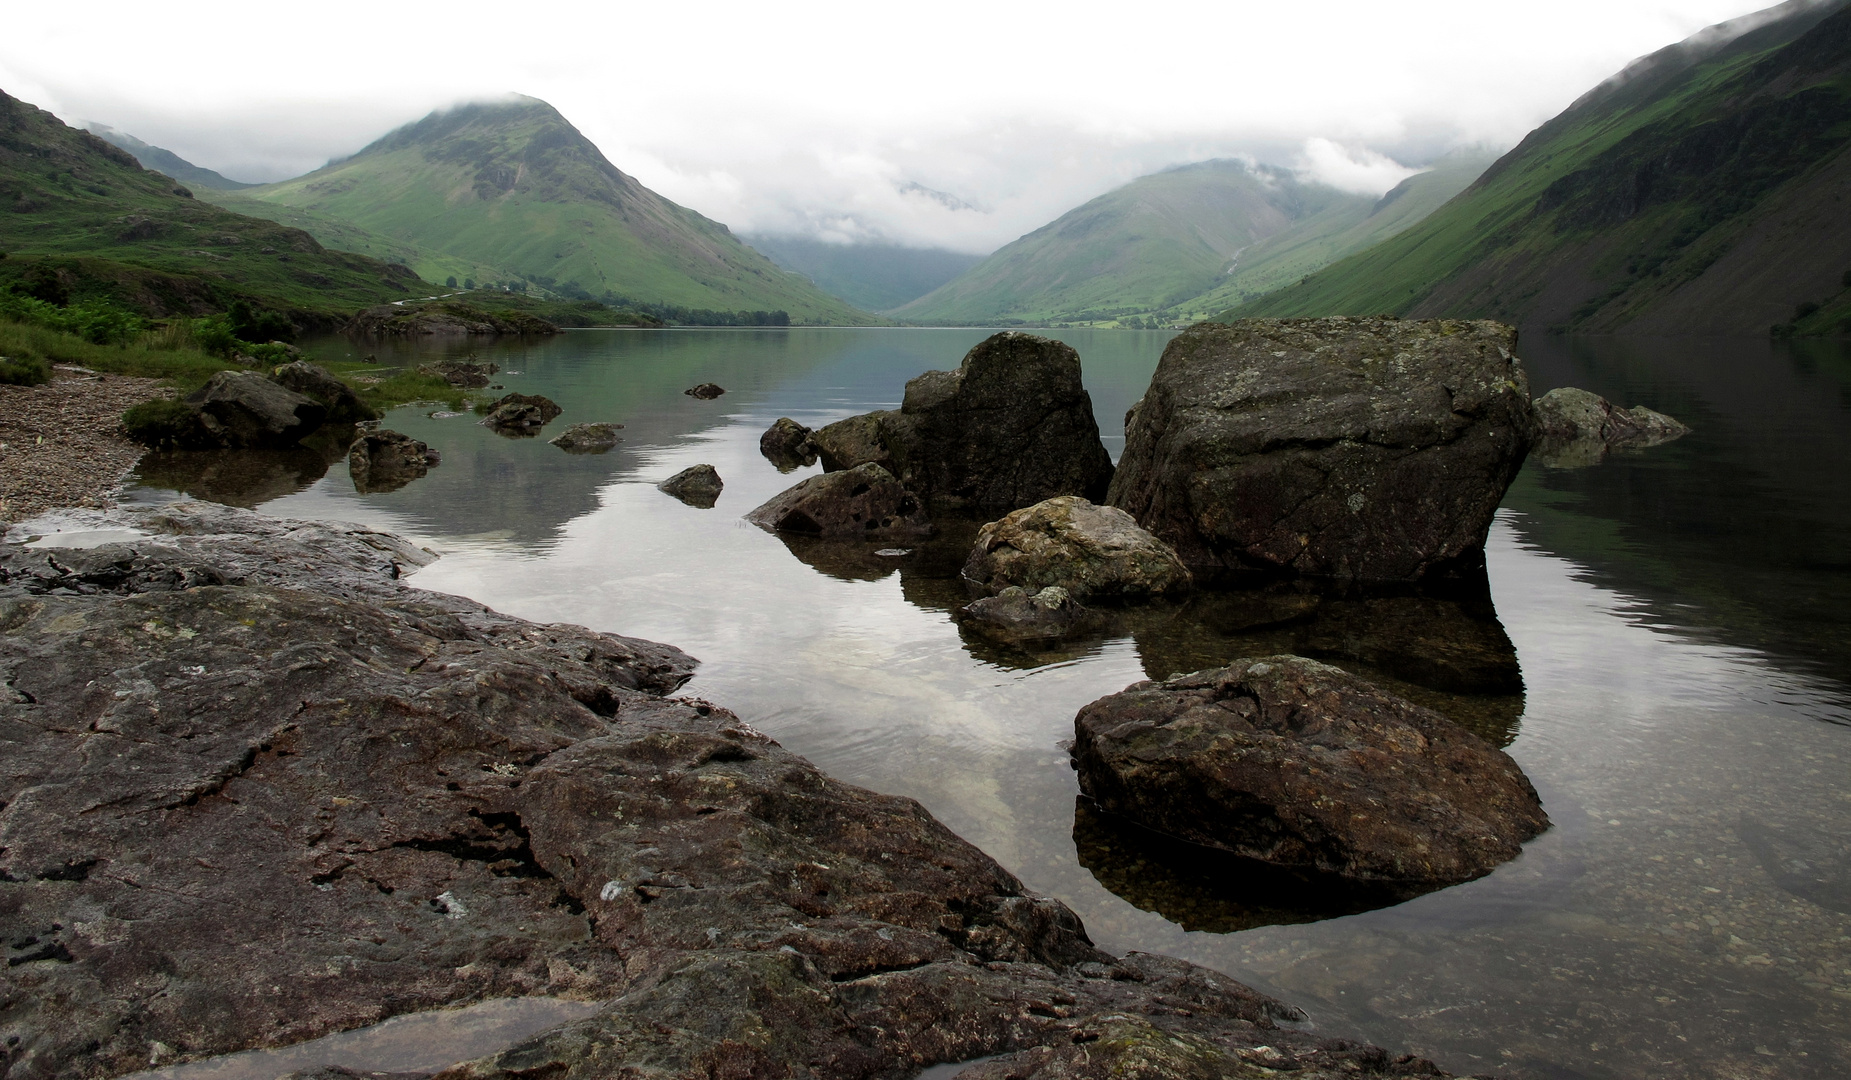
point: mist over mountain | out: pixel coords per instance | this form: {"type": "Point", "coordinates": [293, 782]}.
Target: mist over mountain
{"type": "Point", "coordinates": [512, 188]}
{"type": "Point", "coordinates": [165, 161]}
{"type": "Point", "coordinates": [1702, 190]}
{"type": "Point", "coordinates": [874, 277]}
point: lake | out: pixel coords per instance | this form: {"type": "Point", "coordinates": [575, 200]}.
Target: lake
{"type": "Point", "coordinates": [1681, 618]}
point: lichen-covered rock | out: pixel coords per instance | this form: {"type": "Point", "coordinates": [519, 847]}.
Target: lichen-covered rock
{"type": "Point", "coordinates": [786, 444]}
{"type": "Point", "coordinates": [256, 791]}
{"type": "Point", "coordinates": [865, 501]}
{"type": "Point", "coordinates": [696, 485]}
{"type": "Point", "coordinates": [1579, 427]}
{"type": "Point", "coordinates": [240, 409]}
{"type": "Point", "coordinates": [521, 413]}
{"type": "Point", "coordinates": [1090, 551]}
{"type": "Point", "coordinates": [1013, 425]}
{"type": "Point", "coordinates": [1367, 448]}
{"type": "Point", "coordinates": [1294, 762]}
{"type": "Point", "coordinates": [588, 438]}
{"type": "Point", "coordinates": [384, 460]}
{"type": "Point", "coordinates": [1017, 615]}
{"type": "Point", "coordinates": [343, 405]}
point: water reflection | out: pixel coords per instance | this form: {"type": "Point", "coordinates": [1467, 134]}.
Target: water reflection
{"type": "Point", "coordinates": [245, 478]}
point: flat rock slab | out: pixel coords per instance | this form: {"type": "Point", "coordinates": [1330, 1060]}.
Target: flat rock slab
{"type": "Point", "coordinates": [1300, 764]}
{"type": "Point", "coordinates": [865, 501]}
{"type": "Point", "coordinates": [1365, 448]}
{"type": "Point", "coordinates": [256, 791]}
{"type": "Point", "coordinates": [1089, 551]}
{"type": "Point", "coordinates": [1013, 425]}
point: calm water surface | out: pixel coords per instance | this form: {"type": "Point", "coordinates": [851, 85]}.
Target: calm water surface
{"type": "Point", "coordinates": [1680, 617]}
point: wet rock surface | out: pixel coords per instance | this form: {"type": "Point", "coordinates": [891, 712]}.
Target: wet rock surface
{"type": "Point", "coordinates": [343, 405]}
{"type": "Point", "coordinates": [696, 485]}
{"type": "Point", "coordinates": [587, 438]}
{"type": "Point", "coordinates": [1579, 427]}
{"type": "Point", "coordinates": [521, 413]}
{"type": "Point", "coordinates": [242, 409]}
{"type": "Point", "coordinates": [706, 391]}
{"type": "Point", "coordinates": [386, 460]}
{"type": "Point", "coordinates": [786, 444]}
{"type": "Point", "coordinates": [1017, 615]}
{"type": "Point", "coordinates": [257, 790]}
{"type": "Point", "coordinates": [1092, 552]}
{"type": "Point", "coordinates": [1296, 763]}
{"type": "Point", "coordinates": [1013, 425]}
{"type": "Point", "coordinates": [865, 501]}
{"type": "Point", "coordinates": [1367, 448]}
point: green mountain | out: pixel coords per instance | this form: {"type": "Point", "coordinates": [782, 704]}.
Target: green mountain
{"type": "Point", "coordinates": [1700, 191]}
{"type": "Point", "coordinates": [164, 161]}
{"type": "Point", "coordinates": [874, 277]}
{"type": "Point", "coordinates": [83, 219]}
{"type": "Point", "coordinates": [514, 190]}
{"type": "Point", "coordinates": [1179, 244]}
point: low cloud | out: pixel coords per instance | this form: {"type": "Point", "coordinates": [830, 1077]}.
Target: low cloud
{"type": "Point", "coordinates": [1355, 169]}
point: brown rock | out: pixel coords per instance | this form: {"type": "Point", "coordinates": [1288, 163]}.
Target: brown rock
{"type": "Point", "coordinates": [1297, 763]}
{"type": "Point", "coordinates": [384, 460]}
{"type": "Point", "coordinates": [706, 391]}
{"type": "Point", "coordinates": [1090, 551]}
{"type": "Point", "coordinates": [697, 485]}
{"type": "Point", "coordinates": [865, 501]}
{"type": "Point", "coordinates": [786, 444]}
{"type": "Point", "coordinates": [521, 413]}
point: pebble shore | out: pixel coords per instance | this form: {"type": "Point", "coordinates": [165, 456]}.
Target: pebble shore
{"type": "Point", "coordinates": [61, 444]}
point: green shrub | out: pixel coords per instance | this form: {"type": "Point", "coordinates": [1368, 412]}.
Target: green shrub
{"type": "Point", "coordinates": [258, 324]}
{"type": "Point", "coordinates": [24, 371]}
{"type": "Point", "coordinates": [214, 335]}
{"type": "Point", "coordinates": [164, 424]}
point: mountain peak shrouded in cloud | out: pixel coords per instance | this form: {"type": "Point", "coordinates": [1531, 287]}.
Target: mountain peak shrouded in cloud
{"type": "Point", "coordinates": [510, 186]}
{"type": "Point", "coordinates": [164, 161]}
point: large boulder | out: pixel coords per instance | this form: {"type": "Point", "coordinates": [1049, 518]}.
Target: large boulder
{"type": "Point", "coordinates": [1579, 427]}
{"type": "Point", "coordinates": [1013, 425]}
{"type": "Point", "coordinates": [521, 414]}
{"type": "Point", "coordinates": [696, 485]}
{"type": "Point", "coordinates": [865, 501]}
{"type": "Point", "coordinates": [1293, 762]}
{"type": "Point", "coordinates": [786, 444]}
{"type": "Point", "coordinates": [1090, 551]}
{"type": "Point", "coordinates": [382, 460]}
{"type": "Point", "coordinates": [241, 409]}
{"type": "Point", "coordinates": [344, 406]}
{"type": "Point", "coordinates": [1366, 448]}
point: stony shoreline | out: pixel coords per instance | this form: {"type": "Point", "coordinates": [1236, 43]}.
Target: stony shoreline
{"type": "Point", "coordinates": [61, 443]}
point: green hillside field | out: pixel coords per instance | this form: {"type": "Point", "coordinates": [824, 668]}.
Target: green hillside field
{"type": "Point", "coordinates": [513, 190]}
{"type": "Point", "coordinates": [1700, 191]}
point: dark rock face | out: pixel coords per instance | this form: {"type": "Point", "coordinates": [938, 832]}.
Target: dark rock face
{"type": "Point", "coordinates": [588, 438]}
{"type": "Point", "coordinates": [1273, 759]}
{"type": "Point", "coordinates": [383, 460]}
{"type": "Point", "coordinates": [443, 319]}
{"type": "Point", "coordinates": [1015, 615]}
{"type": "Point", "coordinates": [865, 501]}
{"type": "Point", "coordinates": [1012, 426]}
{"type": "Point", "coordinates": [706, 391]}
{"type": "Point", "coordinates": [255, 790]}
{"type": "Point", "coordinates": [242, 409]}
{"type": "Point", "coordinates": [1089, 551]}
{"type": "Point", "coordinates": [786, 444]}
{"type": "Point", "coordinates": [1579, 427]}
{"type": "Point", "coordinates": [1367, 448]}
{"type": "Point", "coordinates": [696, 485]}
{"type": "Point", "coordinates": [342, 404]}
{"type": "Point", "coordinates": [467, 374]}
{"type": "Point", "coordinates": [521, 413]}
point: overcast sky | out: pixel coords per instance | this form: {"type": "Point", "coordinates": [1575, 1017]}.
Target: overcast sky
{"type": "Point", "coordinates": [839, 120]}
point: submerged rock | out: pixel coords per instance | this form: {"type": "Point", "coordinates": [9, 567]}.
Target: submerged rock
{"type": "Point", "coordinates": [696, 485]}
{"type": "Point", "coordinates": [865, 501]}
{"type": "Point", "coordinates": [1013, 425]}
{"type": "Point", "coordinates": [521, 413]}
{"type": "Point", "coordinates": [257, 791]}
{"type": "Point", "coordinates": [1579, 427]}
{"type": "Point", "coordinates": [1297, 763]}
{"type": "Point", "coordinates": [242, 409]}
{"type": "Point", "coordinates": [1017, 615]}
{"type": "Point", "coordinates": [588, 438]}
{"type": "Point", "coordinates": [343, 405]}
{"type": "Point", "coordinates": [383, 460]}
{"type": "Point", "coordinates": [1368, 448]}
{"type": "Point", "coordinates": [786, 444]}
{"type": "Point", "coordinates": [1089, 551]}
{"type": "Point", "coordinates": [706, 391]}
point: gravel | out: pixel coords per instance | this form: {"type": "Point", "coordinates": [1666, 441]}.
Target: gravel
{"type": "Point", "coordinates": [60, 444]}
